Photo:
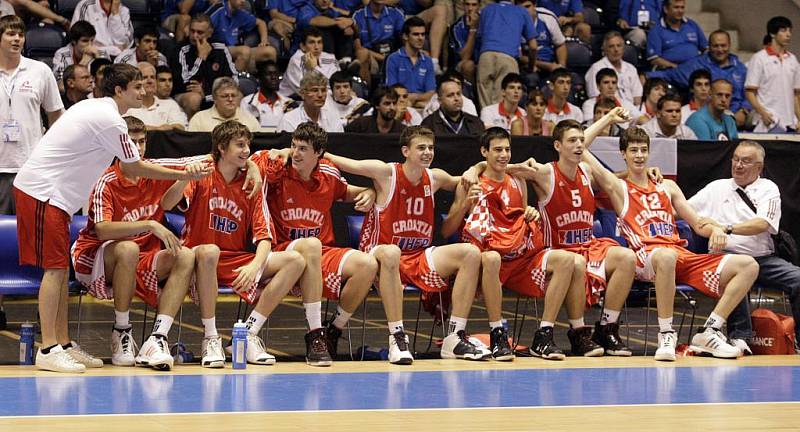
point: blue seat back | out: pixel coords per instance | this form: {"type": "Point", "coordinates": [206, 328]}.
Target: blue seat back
{"type": "Point", "coordinates": [15, 279]}
{"type": "Point", "coordinates": [174, 222]}
{"type": "Point", "coordinates": [608, 223]}
{"type": "Point", "coordinates": [354, 223]}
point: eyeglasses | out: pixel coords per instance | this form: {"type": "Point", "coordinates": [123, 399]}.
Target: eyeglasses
{"type": "Point", "coordinates": [743, 162]}
{"type": "Point", "coordinates": [228, 96]}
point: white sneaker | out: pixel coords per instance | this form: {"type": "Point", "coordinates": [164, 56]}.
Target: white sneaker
{"type": "Point", "coordinates": [123, 347]}
{"type": "Point", "coordinates": [713, 342]}
{"type": "Point", "coordinates": [83, 357]}
{"type": "Point", "coordinates": [666, 346]}
{"type": "Point", "coordinates": [398, 349]}
{"type": "Point", "coordinates": [257, 352]}
{"type": "Point", "coordinates": [458, 345]}
{"type": "Point", "coordinates": [155, 353]}
{"type": "Point", "coordinates": [213, 357]}
{"type": "Point", "coordinates": [58, 361]}
{"type": "Point", "coordinates": [742, 346]}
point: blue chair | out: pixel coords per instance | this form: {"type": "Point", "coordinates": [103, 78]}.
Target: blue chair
{"type": "Point", "coordinates": [43, 40]}
{"type": "Point", "coordinates": [15, 279]}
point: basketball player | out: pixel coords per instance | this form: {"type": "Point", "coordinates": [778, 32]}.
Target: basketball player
{"type": "Point", "coordinates": [55, 182]}
{"type": "Point", "coordinates": [646, 220]}
{"type": "Point", "coordinates": [398, 232]}
{"type": "Point", "coordinates": [499, 222]}
{"type": "Point", "coordinates": [302, 189]}
{"type": "Point", "coordinates": [221, 221]}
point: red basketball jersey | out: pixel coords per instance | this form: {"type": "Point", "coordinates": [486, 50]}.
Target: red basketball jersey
{"type": "Point", "coordinates": [567, 209]}
{"type": "Point", "coordinates": [406, 219]}
{"type": "Point", "coordinates": [647, 216]}
{"type": "Point", "coordinates": [220, 213]}
{"type": "Point", "coordinates": [301, 208]}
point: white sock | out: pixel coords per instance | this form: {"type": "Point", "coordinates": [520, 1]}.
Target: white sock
{"type": "Point", "coordinates": [342, 316]}
{"type": "Point", "coordinates": [495, 324]}
{"type": "Point", "coordinates": [122, 320]}
{"type": "Point", "coordinates": [714, 321]}
{"type": "Point", "coordinates": [544, 324]}
{"type": "Point", "coordinates": [609, 317]}
{"type": "Point", "coordinates": [395, 326]}
{"type": "Point", "coordinates": [665, 325]}
{"type": "Point", "coordinates": [162, 325]}
{"type": "Point", "coordinates": [313, 315]}
{"type": "Point", "coordinates": [577, 323]}
{"type": "Point", "coordinates": [254, 322]}
{"type": "Point", "coordinates": [210, 327]}
{"type": "Point", "coordinates": [457, 324]}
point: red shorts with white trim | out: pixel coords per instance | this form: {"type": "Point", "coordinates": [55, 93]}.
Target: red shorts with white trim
{"type": "Point", "coordinates": [332, 263]}
{"type": "Point", "coordinates": [595, 252]}
{"type": "Point", "coordinates": [701, 271]}
{"type": "Point", "coordinates": [90, 271]}
{"type": "Point", "coordinates": [230, 261]}
{"type": "Point", "coordinates": [416, 268]}
{"type": "Point", "coordinates": [42, 233]}
{"type": "Point", "coordinates": [526, 274]}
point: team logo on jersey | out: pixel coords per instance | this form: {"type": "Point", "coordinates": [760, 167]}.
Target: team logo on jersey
{"type": "Point", "coordinates": [402, 192]}
{"type": "Point", "coordinates": [661, 229]}
{"type": "Point", "coordinates": [411, 243]}
{"type": "Point", "coordinates": [297, 233]}
{"type": "Point", "coordinates": [576, 236]}
{"type": "Point", "coordinates": [427, 190]}
{"type": "Point", "coordinates": [290, 200]}
{"type": "Point", "coordinates": [222, 224]}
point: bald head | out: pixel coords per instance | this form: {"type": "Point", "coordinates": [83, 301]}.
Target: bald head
{"type": "Point", "coordinates": [148, 77]}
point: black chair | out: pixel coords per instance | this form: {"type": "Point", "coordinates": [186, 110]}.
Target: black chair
{"type": "Point", "coordinates": [579, 56]}
{"type": "Point", "coordinates": [632, 55]}
{"type": "Point", "coordinates": [247, 83]}
{"type": "Point", "coordinates": [44, 40]}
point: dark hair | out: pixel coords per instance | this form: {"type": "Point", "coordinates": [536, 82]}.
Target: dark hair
{"type": "Point", "coordinates": [633, 134]}
{"type": "Point", "coordinates": [163, 69]}
{"type": "Point", "coordinates": [445, 79]}
{"type": "Point", "coordinates": [560, 73]}
{"type": "Point", "coordinates": [511, 78]}
{"type": "Point", "coordinates": [669, 97]}
{"type": "Point", "coordinates": [454, 74]}
{"type": "Point", "coordinates": [118, 75]}
{"type": "Point", "coordinates": [69, 73]}
{"type": "Point", "coordinates": [201, 17]}
{"type": "Point", "coordinates": [563, 126]}
{"type": "Point", "coordinates": [143, 31]}
{"type": "Point", "coordinates": [774, 25]}
{"type": "Point", "coordinates": [612, 34]}
{"type": "Point", "coordinates": [652, 83]}
{"type": "Point", "coordinates": [412, 132]}
{"type": "Point", "coordinates": [340, 77]}
{"type": "Point", "coordinates": [605, 72]}
{"type": "Point", "coordinates": [381, 92]}
{"type": "Point", "coordinates": [605, 103]}
{"type": "Point", "coordinates": [97, 64]}
{"type": "Point", "coordinates": [311, 31]}
{"type": "Point", "coordinates": [414, 21]}
{"type": "Point", "coordinates": [493, 133]}
{"type": "Point", "coordinates": [697, 74]}
{"type": "Point", "coordinates": [396, 86]}
{"type": "Point", "coordinates": [224, 133]}
{"type": "Point", "coordinates": [313, 134]}
{"type": "Point", "coordinates": [81, 29]}
{"type": "Point", "coordinates": [135, 125]}
{"type": "Point", "coordinates": [12, 22]}
{"type": "Point", "coordinates": [720, 31]}
{"type": "Point", "coordinates": [533, 94]}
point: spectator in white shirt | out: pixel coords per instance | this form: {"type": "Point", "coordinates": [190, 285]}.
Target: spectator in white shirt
{"type": "Point", "coordinates": [558, 108]}
{"type": "Point", "coordinates": [313, 90]}
{"type": "Point", "coordinates": [405, 113]}
{"type": "Point", "coordinates": [112, 21]}
{"type": "Point", "coordinates": [227, 96]}
{"type": "Point", "coordinates": [310, 57]}
{"type": "Point", "coordinates": [145, 48]}
{"type": "Point", "coordinates": [157, 114]}
{"type": "Point", "coordinates": [667, 123]}
{"type": "Point", "coordinates": [629, 86]}
{"type": "Point", "coordinates": [342, 101]}
{"type": "Point", "coordinates": [267, 105]}
{"type": "Point", "coordinates": [507, 110]}
{"type": "Point", "coordinates": [606, 81]}
{"type": "Point", "coordinates": [80, 50]}
{"type": "Point", "coordinates": [700, 86]}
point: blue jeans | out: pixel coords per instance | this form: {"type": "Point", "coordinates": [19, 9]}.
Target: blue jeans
{"type": "Point", "coordinates": [774, 272]}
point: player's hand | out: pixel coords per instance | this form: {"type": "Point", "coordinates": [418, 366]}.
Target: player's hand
{"type": "Point", "coordinates": [284, 154]}
{"type": "Point", "coordinates": [197, 170]}
{"type": "Point", "coordinates": [717, 240]}
{"type": "Point", "coordinates": [526, 170]}
{"type": "Point", "coordinates": [704, 221]}
{"type": "Point", "coordinates": [655, 174]}
{"type": "Point", "coordinates": [473, 195]}
{"type": "Point", "coordinates": [171, 243]}
{"type": "Point", "coordinates": [531, 214]}
{"type": "Point", "coordinates": [245, 277]}
{"type": "Point", "coordinates": [619, 115]}
{"type": "Point", "coordinates": [365, 200]}
{"type": "Point", "coordinates": [469, 178]}
{"type": "Point", "coordinates": [252, 182]}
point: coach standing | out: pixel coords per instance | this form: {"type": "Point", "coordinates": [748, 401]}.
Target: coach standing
{"type": "Point", "coordinates": [56, 181]}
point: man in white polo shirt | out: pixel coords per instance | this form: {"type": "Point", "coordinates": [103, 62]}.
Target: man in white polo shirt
{"type": "Point", "coordinates": [558, 108]}
{"type": "Point", "coordinates": [112, 21]}
{"type": "Point", "coordinates": [314, 90]}
{"type": "Point", "coordinates": [156, 113]}
{"type": "Point", "coordinates": [56, 181]}
{"type": "Point", "coordinates": [629, 86]}
{"type": "Point", "coordinates": [507, 110]}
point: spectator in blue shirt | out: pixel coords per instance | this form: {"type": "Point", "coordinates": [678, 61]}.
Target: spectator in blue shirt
{"type": "Point", "coordinates": [635, 17]}
{"type": "Point", "coordinates": [176, 15]}
{"type": "Point", "coordinates": [463, 39]}
{"type": "Point", "coordinates": [676, 38]}
{"type": "Point", "coordinates": [410, 66]}
{"type": "Point", "coordinates": [722, 64]}
{"type": "Point", "coordinates": [437, 15]}
{"type": "Point", "coordinates": [551, 53]}
{"type": "Point", "coordinates": [378, 29]}
{"type": "Point", "coordinates": [570, 17]}
{"type": "Point", "coordinates": [231, 23]}
{"type": "Point", "coordinates": [712, 122]}
{"type": "Point", "coordinates": [501, 27]}
{"type": "Point", "coordinates": [336, 28]}
{"type": "Point", "coordinates": [283, 17]}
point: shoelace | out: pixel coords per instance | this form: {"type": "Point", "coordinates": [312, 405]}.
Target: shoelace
{"type": "Point", "coordinates": [400, 339]}
{"type": "Point", "coordinates": [257, 343]}
{"type": "Point", "coordinates": [128, 344]}
{"type": "Point", "coordinates": [65, 357]}
{"type": "Point", "coordinates": [318, 344]}
{"type": "Point", "coordinates": [669, 340]}
{"type": "Point", "coordinates": [214, 346]}
{"type": "Point", "coordinates": [162, 344]}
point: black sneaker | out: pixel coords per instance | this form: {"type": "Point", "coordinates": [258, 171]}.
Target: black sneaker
{"type": "Point", "coordinates": [458, 346]}
{"type": "Point", "coordinates": [544, 346]}
{"type": "Point", "coordinates": [607, 336]}
{"type": "Point", "coordinates": [498, 344]}
{"type": "Point", "coordinates": [332, 335]}
{"type": "Point", "coordinates": [581, 341]}
{"type": "Point", "coordinates": [316, 348]}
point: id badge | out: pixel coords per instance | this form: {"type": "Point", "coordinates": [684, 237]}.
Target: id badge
{"type": "Point", "coordinates": [11, 131]}
{"type": "Point", "coordinates": [643, 18]}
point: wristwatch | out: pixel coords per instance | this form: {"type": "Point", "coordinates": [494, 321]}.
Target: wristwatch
{"type": "Point", "coordinates": [729, 229]}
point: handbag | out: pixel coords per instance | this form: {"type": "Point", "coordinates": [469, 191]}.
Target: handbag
{"type": "Point", "coordinates": [785, 245]}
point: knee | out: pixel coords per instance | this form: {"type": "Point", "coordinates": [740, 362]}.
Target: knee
{"type": "Point", "coordinates": [625, 258]}
{"type": "Point", "coordinates": [295, 261]}
{"type": "Point", "coordinates": [665, 260]}
{"type": "Point", "coordinates": [310, 248]}
{"type": "Point", "coordinates": [748, 266]}
{"type": "Point", "coordinates": [561, 260]}
{"type": "Point", "coordinates": [472, 256]}
{"type": "Point", "coordinates": [185, 258]}
{"type": "Point", "coordinates": [388, 256]}
{"type": "Point", "coordinates": [366, 264]}
{"type": "Point", "coordinates": [127, 251]}
{"type": "Point", "coordinates": [579, 263]}
{"type": "Point", "coordinates": [490, 261]}
{"type": "Point", "coordinates": [207, 255]}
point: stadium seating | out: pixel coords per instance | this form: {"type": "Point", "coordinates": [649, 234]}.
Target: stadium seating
{"type": "Point", "coordinates": [42, 41]}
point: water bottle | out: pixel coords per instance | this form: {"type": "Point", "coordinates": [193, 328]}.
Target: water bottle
{"type": "Point", "coordinates": [239, 346]}
{"type": "Point", "coordinates": [26, 344]}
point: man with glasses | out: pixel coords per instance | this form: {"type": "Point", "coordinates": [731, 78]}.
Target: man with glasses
{"type": "Point", "coordinates": [226, 107]}
{"type": "Point", "coordinates": [314, 91]}
{"type": "Point", "coordinates": [748, 207]}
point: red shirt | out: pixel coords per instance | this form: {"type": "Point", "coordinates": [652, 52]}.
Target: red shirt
{"type": "Point", "coordinates": [407, 218]}
{"type": "Point", "coordinates": [647, 216]}
{"type": "Point", "coordinates": [568, 210]}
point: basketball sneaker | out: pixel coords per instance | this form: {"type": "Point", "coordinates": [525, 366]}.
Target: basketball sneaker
{"type": "Point", "coordinates": [581, 342]}
{"type": "Point", "coordinates": [667, 341]}
{"type": "Point", "coordinates": [398, 349]}
{"type": "Point", "coordinates": [458, 346]}
{"type": "Point", "coordinates": [332, 335]}
{"type": "Point", "coordinates": [711, 341]}
{"type": "Point", "coordinates": [499, 346]}
{"type": "Point", "coordinates": [257, 352]}
{"type": "Point", "coordinates": [82, 357]}
{"type": "Point", "coordinates": [317, 349]}
{"type": "Point", "coordinates": [123, 347]}
{"type": "Point", "coordinates": [57, 360]}
{"type": "Point", "coordinates": [607, 336]}
{"type": "Point", "coordinates": [213, 356]}
{"type": "Point", "coordinates": [155, 353]}
{"type": "Point", "coordinates": [544, 346]}
{"type": "Point", "coordinates": [742, 346]}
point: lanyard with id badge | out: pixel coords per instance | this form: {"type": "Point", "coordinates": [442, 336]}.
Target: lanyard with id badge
{"type": "Point", "coordinates": [11, 130]}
